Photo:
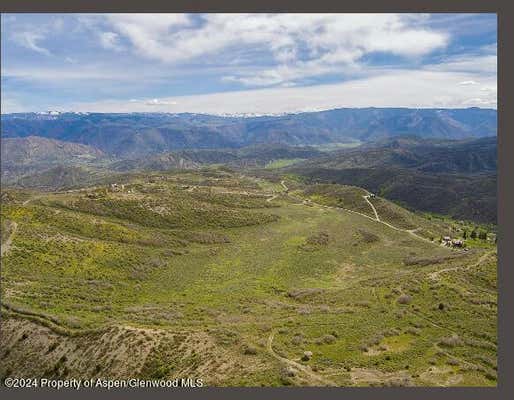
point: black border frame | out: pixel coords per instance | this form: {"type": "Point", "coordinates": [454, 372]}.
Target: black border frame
{"type": "Point", "coordinates": [505, 388]}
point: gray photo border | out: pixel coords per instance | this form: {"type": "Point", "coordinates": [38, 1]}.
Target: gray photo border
{"type": "Point", "coordinates": [505, 388]}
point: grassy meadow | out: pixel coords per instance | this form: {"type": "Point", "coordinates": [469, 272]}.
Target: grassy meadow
{"type": "Point", "coordinates": [243, 281]}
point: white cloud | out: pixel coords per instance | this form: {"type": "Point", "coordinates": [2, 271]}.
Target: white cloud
{"type": "Point", "coordinates": [30, 40]}
{"type": "Point", "coordinates": [32, 35]}
{"type": "Point", "coordinates": [482, 61]}
{"type": "Point", "coordinates": [395, 88]}
{"type": "Point", "coordinates": [165, 53]}
{"type": "Point", "coordinates": [158, 102]}
{"type": "Point", "coordinates": [11, 105]}
{"type": "Point", "coordinates": [300, 45]}
{"type": "Point", "coordinates": [148, 33]}
{"type": "Point", "coordinates": [110, 40]}
{"type": "Point", "coordinates": [481, 102]}
{"type": "Point", "coordinates": [65, 74]}
{"type": "Point", "coordinates": [486, 64]}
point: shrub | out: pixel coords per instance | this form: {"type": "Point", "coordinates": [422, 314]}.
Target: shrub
{"type": "Point", "coordinates": [297, 340]}
{"type": "Point", "coordinates": [321, 239]}
{"type": "Point", "coordinates": [452, 361]}
{"type": "Point", "coordinates": [302, 293]}
{"type": "Point", "coordinates": [404, 299]}
{"type": "Point", "coordinates": [288, 371]}
{"type": "Point", "coordinates": [52, 347]}
{"type": "Point", "coordinates": [249, 350]}
{"type": "Point", "coordinates": [491, 376]}
{"type": "Point", "coordinates": [389, 332]}
{"type": "Point", "coordinates": [413, 331]}
{"type": "Point", "coordinates": [451, 341]}
{"type": "Point", "coordinates": [367, 237]}
{"type": "Point", "coordinates": [328, 339]}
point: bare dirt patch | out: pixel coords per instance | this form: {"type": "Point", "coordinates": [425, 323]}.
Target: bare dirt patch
{"type": "Point", "coordinates": [374, 377]}
{"type": "Point", "coordinates": [441, 376]}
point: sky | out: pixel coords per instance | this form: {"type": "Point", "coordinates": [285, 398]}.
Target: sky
{"type": "Point", "coordinates": [246, 63]}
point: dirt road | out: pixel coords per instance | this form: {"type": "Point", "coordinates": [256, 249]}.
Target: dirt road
{"type": "Point", "coordinates": [372, 206]}
{"type": "Point", "coordinates": [435, 275]}
{"type": "Point", "coordinates": [411, 232]}
{"type": "Point", "coordinates": [317, 379]}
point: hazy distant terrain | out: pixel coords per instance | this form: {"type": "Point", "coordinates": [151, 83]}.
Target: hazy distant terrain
{"type": "Point", "coordinates": [136, 134]}
{"type": "Point", "coordinates": [33, 154]}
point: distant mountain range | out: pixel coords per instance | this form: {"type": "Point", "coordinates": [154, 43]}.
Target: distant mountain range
{"type": "Point", "coordinates": [138, 134]}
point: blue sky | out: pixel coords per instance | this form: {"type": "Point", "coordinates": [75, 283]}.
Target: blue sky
{"type": "Point", "coordinates": [251, 63]}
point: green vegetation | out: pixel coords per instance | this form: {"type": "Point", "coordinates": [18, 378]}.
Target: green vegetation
{"type": "Point", "coordinates": [283, 162]}
{"type": "Point", "coordinates": [338, 145]}
{"type": "Point", "coordinates": [242, 280]}
{"type": "Point", "coordinates": [454, 178]}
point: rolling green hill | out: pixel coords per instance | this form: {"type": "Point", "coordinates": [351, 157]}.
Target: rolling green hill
{"type": "Point", "coordinates": [454, 178]}
{"type": "Point", "coordinates": [423, 155]}
{"type": "Point", "coordinates": [241, 280]}
{"type": "Point", "coordinates": [252, 156]}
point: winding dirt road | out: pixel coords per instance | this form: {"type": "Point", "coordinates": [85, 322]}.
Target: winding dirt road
{"type": "Point", "coordinates": [372, 206]}
{"type": "Point", "coordinates": [297, 367]}
{"type": "Point", "coordinates": [435, 275]}
{"type": "Point", "coordinates": [411, 232]}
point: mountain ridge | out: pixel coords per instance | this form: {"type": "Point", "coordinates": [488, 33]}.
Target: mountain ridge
{"type": "Point", "coordinates": [138, 134]}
